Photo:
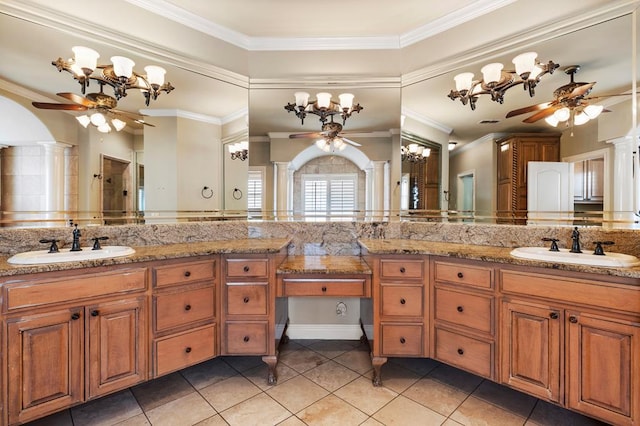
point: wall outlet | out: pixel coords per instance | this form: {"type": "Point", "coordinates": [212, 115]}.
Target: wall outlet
{"type": "Point", "coordinates": [341, 309]}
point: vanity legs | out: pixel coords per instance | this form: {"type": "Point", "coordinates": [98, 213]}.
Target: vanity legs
{"type": "Point", "coordinates": [271, 361]}
{"type": "Point", "coordinates": [377, 362]}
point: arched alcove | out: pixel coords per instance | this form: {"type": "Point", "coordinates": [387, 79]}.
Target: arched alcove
{"type": "Point", "coordinates": [21, 126]}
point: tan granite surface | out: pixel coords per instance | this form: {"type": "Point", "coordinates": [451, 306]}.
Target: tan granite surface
{"type": "Point", "coordinates": [324, 265]}
{"type": "Point", "coordinates": [484, 253]}
{"type": "Point", "coordinates": [161, 252]}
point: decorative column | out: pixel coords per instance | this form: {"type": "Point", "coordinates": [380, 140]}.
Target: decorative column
{"type": "Point", "coordinates": [377, 192]}
{"type": "Point", "coordinates": [282, 190]}
{"type": "Point", "coordinates": [622, 185]}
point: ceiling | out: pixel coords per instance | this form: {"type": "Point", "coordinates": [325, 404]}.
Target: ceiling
{"type": "Point", "coordinates": [392, 55]}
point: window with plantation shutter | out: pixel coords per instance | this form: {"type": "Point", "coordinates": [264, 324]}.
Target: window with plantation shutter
{"type": "Point", "coordinates": [255, 195]}
{"type": "Point", "coordinates": [329, 195]}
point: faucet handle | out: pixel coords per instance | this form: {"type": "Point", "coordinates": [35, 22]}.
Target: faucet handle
{"type": "Point", "coordinates": [96, 242]}
{"type": "Point", "coordinates": [554, 243]}
{"type": "Point", "coordinates": [54, 244]}
{"type": "Point", "coordinates": [599, 250]}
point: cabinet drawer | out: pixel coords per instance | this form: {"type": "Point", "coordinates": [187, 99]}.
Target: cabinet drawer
{"type": "Point", "coordinates": [256, 268]}
{"type": "Point", "coordinates": [468, 310]}
{"type": "Point", "coordinates": [182, 350]}
{"type": "Point", "coordinates": [401, 268]}
{"type": "Point", "coordinates": [357, 287]}
{"type": "Point", "coordinates": [465, 352]}
{"type": "Point", "coordinates": [475, 276]}
{"type": "Point", "coordinates": [401, 300]}
{"type": "Point", "coordinates": [247, 299]}
{"type": "Point", "coordinates": [66, 289]}
{"type": "Point", "coordinates": [246, 338]}
{"type": "Point", "coordinates": [401, 339]}
{"type": "Point", "coordinates": [172, 310]}
{"type": "Point", "coordinates": [184, 273]}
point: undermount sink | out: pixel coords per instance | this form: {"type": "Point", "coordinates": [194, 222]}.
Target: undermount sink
{"type": "Point", "coordinates": [40, 257]}
{"type": "Point", "coordinates": [609, 260]}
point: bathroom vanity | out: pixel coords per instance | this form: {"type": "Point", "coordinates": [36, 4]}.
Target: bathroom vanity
{"type": "Point", "coordinates": [73, 332]}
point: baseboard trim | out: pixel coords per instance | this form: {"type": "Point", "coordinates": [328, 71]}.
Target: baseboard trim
{"type": "Point", "coordinates": [324, 331]}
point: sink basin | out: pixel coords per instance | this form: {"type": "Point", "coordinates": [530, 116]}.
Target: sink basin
{"type": "Point", "coordinates": [39, 257]}
{"type": "Point", "coordinates": [609, 260]}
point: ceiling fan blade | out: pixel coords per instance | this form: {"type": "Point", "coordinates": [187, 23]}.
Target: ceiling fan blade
{"type": "Point", "coordinates": [581, 90]}
{"type": "Point", "coordinates": [530, 108]}
{"type": "Point", "coordinates": [77, 99]}
{"type": "Point", "coordinates": [350, 141]}
{"type": "Point", "coordinates": [129, 115]}
{"type": "Point", "coordinates": [65, 107]}
{"type": "Point", "coordinates": [542, 114]}
{"type": "Point", "coordinates": [306, 135]}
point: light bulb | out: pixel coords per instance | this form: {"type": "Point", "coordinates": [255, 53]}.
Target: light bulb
{"type": "Point", "coordinates": [463, 81]}
{"type": "Point", "coordinates": [580, 119]}
{"type": "Point", "coordinates": [562, 114]}
{"type": "Point", "coordinates": [155, 74]}
{"type": "Point", "coordinates": [85, 58]}
{"type": "Point", "coordinates": [346, 100]}
{"type": "Point", "coordinates": [302, 98]}
{"type": "Point", "coordinates": [452, 145]}
{"type": "Point", "coordinates": [97, 119]}
{"type": "Point", "coordinates": [413, 148]}
{"type": "Point", "coordinates": [525, 63]}
{"type": "Point", "coordinates": [118, 124]}
{"type": "Point", "coordinates": [491, 73]}
{"type": "Point", "coordinates": [84, 120]}
{"type": "Point", "coordinates": [593, 110]}
{"type": "Point", "coordinates": [104, 128]}
{"type": "Point", "coordinates": [552, 120]}
{"type": "Point", "coordinates": [323, 99]}
{"type": "Point", "coordinates": [122, 67]}
{"type": "Point", "coordinates": [426, 152]}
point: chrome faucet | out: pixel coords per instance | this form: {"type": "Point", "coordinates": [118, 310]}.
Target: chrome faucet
{"type": "Point", "coordinates": [575, 245]}
{"type": "Point", "coordinates": [75, 246]}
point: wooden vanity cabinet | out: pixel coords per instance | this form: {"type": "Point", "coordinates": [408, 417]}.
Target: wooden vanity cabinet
{"type": "Point", "coordinates": [574, 341]}
{"type": "Point", "coordinates": [69, 345]}
{"type": "Point", "coordinates": [184, 313]}
{"type": "Point", "coordinates": [463, 315]}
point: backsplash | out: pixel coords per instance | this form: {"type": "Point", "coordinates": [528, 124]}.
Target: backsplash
{"type": "Point", "coordinates": [319, 238]}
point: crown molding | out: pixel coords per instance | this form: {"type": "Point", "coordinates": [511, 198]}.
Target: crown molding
{"type": "Point", "coordinates": [160, 112]}
{"type": "Point", "coordinates": [366, 82]}
{"type": "Point", "coordinates": [375, 134]}
{"type": "Point", "coordinates": [522, 40]}
{"type": "Point", "coordinates": [489, 137]}
{"type": "Point", "coordinates": [426, 121]}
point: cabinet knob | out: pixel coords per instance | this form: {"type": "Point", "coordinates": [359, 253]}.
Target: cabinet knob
{"type": "Point", "coordinates": [187, 349]}
{"type": "Point", "coordinates": [75, 316]}
{"type": "Point", "coordinates": [324, 288]}
{"type": "Point", "coordinates": [246, 339]}
{"type": "Point", "coordinates": [187, 274]}
{"type": "Point", "coordinates": [402, 270]}
{"type": "Point", "coordinates": [460, 309]}
{"type": "Point", "coordinates": [460, 351]}
{"type": "Point", "coordinates": [460, 275]}
{"type": "Point", "coordinates": [246, 299]}
{"type": "Point", "coordinates": [95, 313]}
{"type": "Point", "coordinates": [187, 307]}
{"type": "Point", "coordinates": [553, 315]}
{"type": "Point", "coordinates": [573, 319]}
{"type": "Point", "coordinates": [402, 340]}
{"type": "Point", "coordinates": [246, 269]}
{"type": "Point", "coordinates": [402, 301]}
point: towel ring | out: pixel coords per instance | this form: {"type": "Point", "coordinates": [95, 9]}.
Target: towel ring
{"type": "Point", "coordinates": [206, 192]}
{"type": "Point", "coordinates": [237, 194]}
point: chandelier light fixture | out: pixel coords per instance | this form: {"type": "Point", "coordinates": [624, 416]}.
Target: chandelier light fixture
{"type": "Point", "coordinates": [99, 120]}
{"type": "Point", "coordinates": [414, 153]}
{"type": "Point", "coordinates": [119, 75]}
{"type": "Point", "coordinates": [323, 106]}
{"type": "Point", "coordinates": [574, 115]}
{"type": "Point", "coordinates": [496, 81]}
{"type": "Point", "coordinates": [239, 151]}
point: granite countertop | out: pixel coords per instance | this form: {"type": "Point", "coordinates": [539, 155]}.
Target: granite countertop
{"type": "Point", "coordinates": [485, 253]}
{"type": "Point", "coordinates": [160, 252]}
{"type": "Point", "coordinates": [324, 265]}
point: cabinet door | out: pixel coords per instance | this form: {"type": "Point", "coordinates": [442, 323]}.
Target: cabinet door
{"type": "Point", "coordinates": [531, 339]}
{"type": "Point", "coordinates": [45, 359]}
{"type": "Point", "coordinates": [117, 345]}
{"type": "Point", "coordinates": [603, 368]}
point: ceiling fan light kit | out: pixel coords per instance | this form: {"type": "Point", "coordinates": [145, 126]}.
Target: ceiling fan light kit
{"type": "Point", "coordinates": [414, 153]}
{"type": "Point", "coordinates": [239, 150]}
{"type": "Point", "coordinates": [496, 81]}
{"type": "Point", "coordinates": [323, 106]}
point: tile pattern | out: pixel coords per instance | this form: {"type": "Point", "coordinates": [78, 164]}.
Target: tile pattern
{"type": "Point", "coordinates": [320, 382]}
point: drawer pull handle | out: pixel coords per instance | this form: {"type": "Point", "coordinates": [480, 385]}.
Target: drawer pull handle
{"type": "Point", "coordinates": [402, 301]}
{"type": "Point", "coordinates": [460, 309]}
{"type": "Point", "coordinates": [402, 270]}
{"type": "Point", "coordinates": [324, 288]}
{"type": "Point", "coordinates": [246, 269]}
{"type": "Point", "coordinates": [402, 340]}
{"type": "Point", "coordinates": [553, 315]}
{"type": "Point", "coordinates": [187, 308]}
{"type": "Point", "coordinates": [460, 351]}
{"type": "Point", "coordinates": [573, 320]}
{"type": "Point", "coordinates": [246, 339]}
{"type": "Point", "coordinates": [187, 349]}
{"type": "Point", "coordinates": [75, 316]}
{"type": "Point", "coordinates": [95, 313]}
{"type": "Point", "coordinates": [460, 275]}
{"type": "Point", "coordinates": [187, 274]}
{"type": "Point", "coordinates": [246, 299]}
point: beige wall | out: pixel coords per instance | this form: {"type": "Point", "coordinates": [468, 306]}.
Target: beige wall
{"type": "Point", "coordinates": [480, 160]}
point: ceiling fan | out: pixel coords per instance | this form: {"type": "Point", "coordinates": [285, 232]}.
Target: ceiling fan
{"type": "Point", "coordinates": [572, 96]}
{"type": "Point", "coordinates": [99, 102]}
{"type": "Point", "coordinates": [331, 133]}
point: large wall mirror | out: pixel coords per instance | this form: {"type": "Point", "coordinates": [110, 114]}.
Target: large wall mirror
{"type": "Point", "coordinates": [601, 151]}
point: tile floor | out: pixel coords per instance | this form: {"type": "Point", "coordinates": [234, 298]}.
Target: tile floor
{"type": "Point", "coordinates": [321, 382]}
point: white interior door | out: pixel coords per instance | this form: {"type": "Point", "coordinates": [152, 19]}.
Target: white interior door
{"type": "Point", "coordinates": [549, 192]}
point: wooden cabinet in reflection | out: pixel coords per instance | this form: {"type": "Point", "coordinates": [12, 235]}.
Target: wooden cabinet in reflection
{"type": "Point", "coordinates": [514, 153]}
{"type": "Point", "coordinates": [424, 182]}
